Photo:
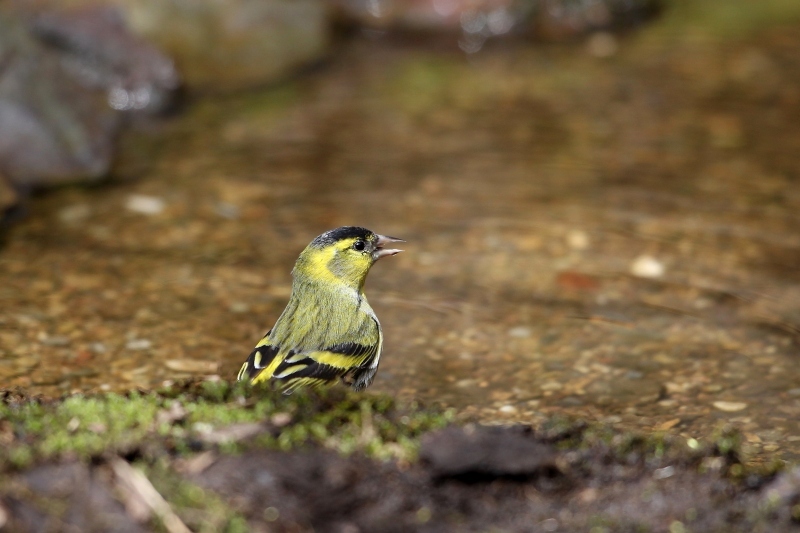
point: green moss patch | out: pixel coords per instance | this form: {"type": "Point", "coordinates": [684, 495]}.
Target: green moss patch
{"type": "Point", "coordinates": [193, 416]}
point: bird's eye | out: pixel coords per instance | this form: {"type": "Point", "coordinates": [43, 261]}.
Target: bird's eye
{"type": "Point", "coordinates": [359, 245]}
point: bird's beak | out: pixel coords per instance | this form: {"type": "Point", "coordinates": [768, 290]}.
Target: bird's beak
{"type": "Point", "coordinates": [380, 247]}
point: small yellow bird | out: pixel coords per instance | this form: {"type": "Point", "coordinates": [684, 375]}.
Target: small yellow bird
{"type": "Point", "coordinates": [328, 330]}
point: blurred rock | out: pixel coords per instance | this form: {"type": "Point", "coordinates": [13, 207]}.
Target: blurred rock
{"type": "Point", "coordinates": [555, 20]}
{"type": "Point", "coordinates": [781, 497]}
{"type": "Point", "coordinates": [97, 47]}
{"type": "Point", "coordinates": [471, 16]}
{"type": "Point", "coordinates": [52, 128]}
{"type": "Point", "coordinates": [485, 452]}
{"type": "Point", "coordinates": [226, 46]}
{"type": "Point", "coordinates": [65, 76]}
{"type": "Point", "coordinates": [145, 205]}
{"type": "Point", "coordinates": [86, 497]}
{"type": "Point", "coordinates": [479, 20]}
{"type": "Point", "coordinates": [646, 266]}
{"type": "Point", "coordinates": [8, 196]}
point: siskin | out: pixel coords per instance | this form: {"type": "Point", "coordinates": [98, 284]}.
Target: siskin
{"type": "Point", "coordinates": [328, 330]}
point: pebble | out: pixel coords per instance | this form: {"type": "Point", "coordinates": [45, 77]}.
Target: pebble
{"type": "Point", "coordinates": [280, 419]}
{"type": "Point", "coordinates": [520, 332]}
{"type": "Point", "coordinates": [669, 424]}
{"type": "Point", "coordinates": [577, 239]}
{"type": "Point", "coordinates": [551, 385]}
{"type": "Point", "coordinates": [239, 307]}
{"type": "Point", "coordinates": [646, 266]}
{"type": "Point", "coordinates": [664, 473]}
{"type": "Point", "coordinates": [752, 438]}
{"type": "Point", "coordinates": [191, 365]}
{"type": "Point", "coordinates": [72, 214]}
{"type": "Point", "coordinates": [98, 347]}
{"type": "Point", "coordinates": [508, 409]}
{"type": "Point", "coordinates": [144, 205]}
{"type": "Point", "coordinates": [54, 340]}
{"type": "Point", "coordinates": [730, 407]}
{"type": "Point", "coordinates": [138, 344]}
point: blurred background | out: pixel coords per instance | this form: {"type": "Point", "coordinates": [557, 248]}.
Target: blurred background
{"type": "Point", "coordinates": [600, 198]}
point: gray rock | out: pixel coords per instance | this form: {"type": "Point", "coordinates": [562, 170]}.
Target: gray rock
{"type": "Point", "coordinates": [96, 46]}
{"type": "Point", "coordinates": [52, 128]}
{"type": "Point", "coordinates": [65, 78]}
{"type": "Point", "coordinates": [478, 452]}
{"type": "Point", "coordinates": [476, 21]}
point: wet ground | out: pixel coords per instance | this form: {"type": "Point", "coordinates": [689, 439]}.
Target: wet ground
{"type": "Point", "coordinates": [606, 230]}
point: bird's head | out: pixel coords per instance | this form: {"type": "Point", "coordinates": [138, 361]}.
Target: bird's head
{"type": "Point", "coordinates": [343, 256]}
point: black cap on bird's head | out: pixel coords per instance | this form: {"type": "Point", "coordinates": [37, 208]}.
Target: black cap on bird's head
{"type": "Point", "coordinates": [338, 234]}
{"type": "Point", "coordinates": [371, 241]}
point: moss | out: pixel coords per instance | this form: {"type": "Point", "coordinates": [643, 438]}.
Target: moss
{"type": "Point", "coordinates": [421, 86]}
{"type": "Point", "coordinates": [264, 107]}
{"type": "Point", "coordinates": [20, 457]}
{"type": "Point", "coordinates": [185, 418]}
{"type": "Point", "coordinates": [725, 19]}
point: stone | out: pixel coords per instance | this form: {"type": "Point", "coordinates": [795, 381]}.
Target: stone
{"type": "Point", "coordinates": [65, 78]}
{"type": "Point", "coordinates": [99, 49]}
{"type": "Point", "coordinates": [481, 451]}
{"type": "Point", "coordinates": [52, 129]}
{"type": "Point", "coordinates": [646, 266]}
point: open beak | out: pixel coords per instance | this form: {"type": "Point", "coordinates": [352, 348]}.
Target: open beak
{"type": "Point", "coordinates": [380, 247]}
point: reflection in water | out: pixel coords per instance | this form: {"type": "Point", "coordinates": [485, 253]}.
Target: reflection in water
{"type": "Point", "coordinates": [615, 241]}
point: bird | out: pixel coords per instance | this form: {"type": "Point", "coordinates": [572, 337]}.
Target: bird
{"type": "Point", "coordinates": [328, 332]}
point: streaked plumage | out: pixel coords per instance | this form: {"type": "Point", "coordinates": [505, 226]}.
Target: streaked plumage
{"type": "Point", "coordinates": [328, 330]}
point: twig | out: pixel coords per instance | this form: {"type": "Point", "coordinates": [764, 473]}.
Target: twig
{"type": "Point", "coordinates": [136, 482]}
{"type": "Point", "coordinates": [442, 307]}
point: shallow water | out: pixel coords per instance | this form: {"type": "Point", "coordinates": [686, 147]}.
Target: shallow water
{"type": "Point", "coordinates": [614, 239]}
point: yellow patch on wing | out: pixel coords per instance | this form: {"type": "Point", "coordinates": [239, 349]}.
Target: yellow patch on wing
{"type": "Point", "coordinates": [337, 360]}
{"type": "Point", "coordinates": [296, 357]}
{"type": "Point", "coordinates": [266, 373]}
{"type": "Point", "coordinates": [288, 371]}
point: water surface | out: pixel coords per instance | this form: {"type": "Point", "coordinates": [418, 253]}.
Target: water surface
{"type": "Point", "coordinates": [613, 239]}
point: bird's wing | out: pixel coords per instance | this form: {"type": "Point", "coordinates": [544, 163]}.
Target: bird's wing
{"type": "Point", "coordinates": [296, 367]}
{"type": "Point", "coordinates": [318, 367]}
{"type": "Point", "coordinates": [360, 378]}
{"type": "Point", "coordinates": [262, 361]}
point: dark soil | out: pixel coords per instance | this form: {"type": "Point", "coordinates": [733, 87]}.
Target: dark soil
{"type": "Point", "coordinates": [563, 477]}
